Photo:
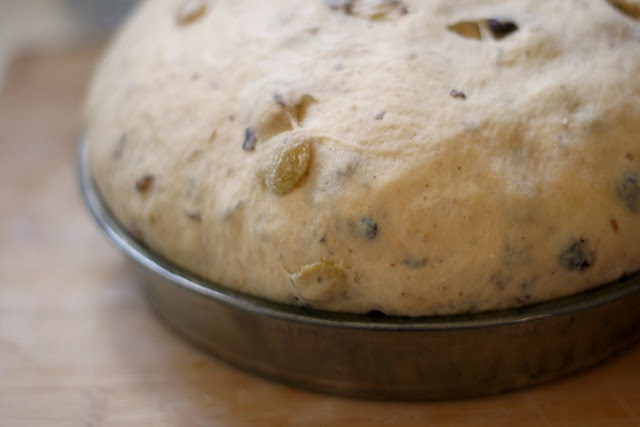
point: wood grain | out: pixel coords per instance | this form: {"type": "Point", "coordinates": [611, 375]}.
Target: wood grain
{"type": "Point", "coordinates": [79, 347]}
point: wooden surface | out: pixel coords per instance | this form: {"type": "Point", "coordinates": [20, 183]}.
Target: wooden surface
{"type": "Point", "coordinates": [79, 347]}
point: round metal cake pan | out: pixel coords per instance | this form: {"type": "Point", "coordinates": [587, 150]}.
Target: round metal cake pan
{"type": "Point", "coordinates": [382, 357]}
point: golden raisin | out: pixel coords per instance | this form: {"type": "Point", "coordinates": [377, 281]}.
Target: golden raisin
{"type": "Point", "coordinates": [191, 10]}
{"type": "Point", "coordinates": [467, 29]}
{"type": "Point", "coordinates": [286, 163]}
{"type": "Point", "coordinates": [320, 281]}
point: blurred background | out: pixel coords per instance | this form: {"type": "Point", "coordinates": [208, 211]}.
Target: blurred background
{"type": "Point", "coordinates": [29, 25]}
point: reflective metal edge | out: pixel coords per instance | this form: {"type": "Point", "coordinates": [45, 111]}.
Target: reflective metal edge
{"type": "Point", "coordinates": [390, 358]}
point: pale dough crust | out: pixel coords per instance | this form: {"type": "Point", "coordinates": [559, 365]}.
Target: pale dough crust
{"type": "Point", "coordinates": [363, 155]}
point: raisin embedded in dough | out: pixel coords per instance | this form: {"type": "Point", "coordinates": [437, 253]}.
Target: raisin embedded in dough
{"type": "Point", "coordinates": [286, 163]}
{"type": "Point", "coordinates": [501, 28]}
{"type": "Point", "coordinates": [484, 28]}
{"type": "Point", "coordinates": [577, 255]}
{"type": "Point", "coordinates": [250, 139]}
{"type": "Point", "coordinates": [320, 281]}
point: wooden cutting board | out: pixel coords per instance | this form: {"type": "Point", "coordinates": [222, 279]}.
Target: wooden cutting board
{"type": "Point", "coordinates": [79, 346]}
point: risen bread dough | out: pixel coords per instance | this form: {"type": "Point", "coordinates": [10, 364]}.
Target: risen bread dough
{"type": "Point", "coordinates": [414, 157]}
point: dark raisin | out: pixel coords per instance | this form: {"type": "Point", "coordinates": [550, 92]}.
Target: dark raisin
{"type": "Point", "coordinates": [250, 139]}
{"type": "Point", "coordinates": [144, 183]}
{"type": "Point", "coordinates": [628, 190]}
{"type": "Point", "coordinates": [501, 29]}
{"type": "Point", "coordinates": [414, 262]}
{"type": "Point", "coordinates": [368, 228]}
{"type": "Point", "coordinates": [277, 97]}
{"type": "Point", "coordinates": [480, 28]}
{"type": "Point", "coordinates": [457, 94]}
{"type": "Point", "coordinates": [577, 255]}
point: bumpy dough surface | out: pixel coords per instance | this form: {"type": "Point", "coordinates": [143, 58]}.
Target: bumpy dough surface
{"type": "Point", "coordinates": [377, 155]}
